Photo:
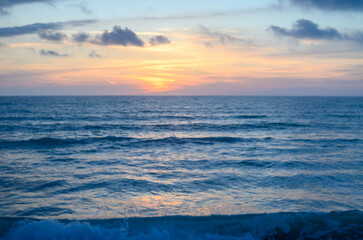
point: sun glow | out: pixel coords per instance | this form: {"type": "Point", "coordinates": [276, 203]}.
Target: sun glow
{"type": "Point", "coordinates": [188, 62]}
{"type": "Point", "coordinates": [158, 84]}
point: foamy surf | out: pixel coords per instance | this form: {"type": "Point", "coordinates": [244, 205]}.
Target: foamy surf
{"type": "Point", "coordinates": [333, 225]}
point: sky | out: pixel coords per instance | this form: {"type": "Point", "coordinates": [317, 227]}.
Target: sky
{"type": "Point", "coordinates": [190, 47]}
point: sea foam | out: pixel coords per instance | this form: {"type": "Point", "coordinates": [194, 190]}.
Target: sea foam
{"type": "Point", "coordinates": [334, 225]}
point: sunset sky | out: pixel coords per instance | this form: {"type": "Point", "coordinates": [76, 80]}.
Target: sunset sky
{"type": "Point", "coordinates": [199, 47]}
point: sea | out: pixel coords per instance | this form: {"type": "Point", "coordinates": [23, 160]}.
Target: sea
{"type": "Point", "coordinates": [181, 167]}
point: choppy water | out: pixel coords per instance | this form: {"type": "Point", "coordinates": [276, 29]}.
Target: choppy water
{"type": "Point", "coordinates": [124, 157]}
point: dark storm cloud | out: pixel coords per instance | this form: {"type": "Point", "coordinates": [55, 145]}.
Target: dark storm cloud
{"type": "Point", "coordinates": [338, 5]}
{"type": "Point", "coordinates": [52, 36]}
{"type": "Point", "coordinates": [93, 54]}
{"type": "Point", "coordinates": [306, 29]}
{"type": "Point", "coordinates": [157, 40]}
{"type": "Point", "coordinates": [80, 37]}
{"type": "Point", "coordinates": [36, 27]}
{"type": "Point", "coordinates": [119, 36]}
{"type": "Point", "coordinates": [52, 53]}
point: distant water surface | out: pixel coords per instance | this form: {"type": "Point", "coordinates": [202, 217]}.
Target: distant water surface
{"type": "Point", "coordinates": [117, 157]}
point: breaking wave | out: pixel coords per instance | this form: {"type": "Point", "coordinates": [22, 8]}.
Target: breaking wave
{"type": "Point", "coordinates": [333, 225]}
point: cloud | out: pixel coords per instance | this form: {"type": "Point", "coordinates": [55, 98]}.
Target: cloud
{"type": "Point", "coordinates": [82, 6]}
{"type": "Point", "coordinates": [80, 37]}
{"type": "Point", "coordinates": [8, 3]}
{"type": "Point", "coordinates": [52, 36]}
{"type": "Point", "coordinates": [157, 40]}
{"type": "Point", "coordinates": [52, 53]}
{"type": "Point", "coordinates": [4, 4]}
{"type": "Point", "coordinates": [306, 29]}
{"type": "Point", "coordinates": [79, 23]}
{"type": "Point", "coordinates": [2, 45]}
{"type": "Point", "coordinates": [36, 27]}
{"type": "Point", "coordinates": [357, 36]}
{"type": "Point", "coordinates": [93, 54]}
{"type": "Point", "coordinates": [209, 14]}
{"type": "Point", "coordinates": [28, 29]}
{"type": "Point", "coordinates": [119, 36]}
{"type": "Point", "coordinates": [333, 5]}
{"type": "Point", "coordinates": [223, 38]}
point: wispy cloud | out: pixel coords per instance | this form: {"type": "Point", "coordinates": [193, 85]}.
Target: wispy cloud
{"type": "Point", "coordinates": [52, 53]}
{"type": "Point", "coordinates": [84, 9]}
{"type": "Point", "coordinates": [158, 40]}
{"type": "Point", "coordinates": [5, 4]}
{"type": "Point", "coordinates": [28, 29]}
{"type": "Point", "coordinates": [223, 38]}
{"type": "Point", "coordinates": [93, 54]}
{"type": "Point", "coordinates": [333, 5]}
{"type": "Point", "coordinates": [52, 36]}
{"type": "Point", "coordinates": [206, 14]}
{"type": "Point", "coordinates": [37, 27]}
{"type": "Point", "coordinates": [78, 23]}
{"type": "Point", "coordinates": [306, 29]}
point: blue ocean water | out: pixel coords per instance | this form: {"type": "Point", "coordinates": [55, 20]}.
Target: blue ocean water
{"type": "Point", "coordinates": [135, 167]}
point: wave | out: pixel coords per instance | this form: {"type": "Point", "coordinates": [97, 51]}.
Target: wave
{"type": "Point", "coordinates": [333, 225]}
{"type": "Point", "coordinates": [129, 141]}
{"type": "Point", "coordinates": [58, 142]}
{"type": "Point", "coordinates": [40, 142]}
{"type": "Point", "coordinates": [51, 142]}
{"type": "Point", "coordinates": [249, 116]}
{"type": "Point", "coordinates": [149, 126]}
{"type": "Point", "coordinates": [204, 140]}
{"type": "Point", "coordinates": [328, 140]}
{"type": "Point", "coordinates": [198, 126]}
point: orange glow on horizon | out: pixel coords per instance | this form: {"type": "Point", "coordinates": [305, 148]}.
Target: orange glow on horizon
{"type": "Point", "coordinates": [157, 83]}
{"type": "Point", "coordinates": [180, 65]}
